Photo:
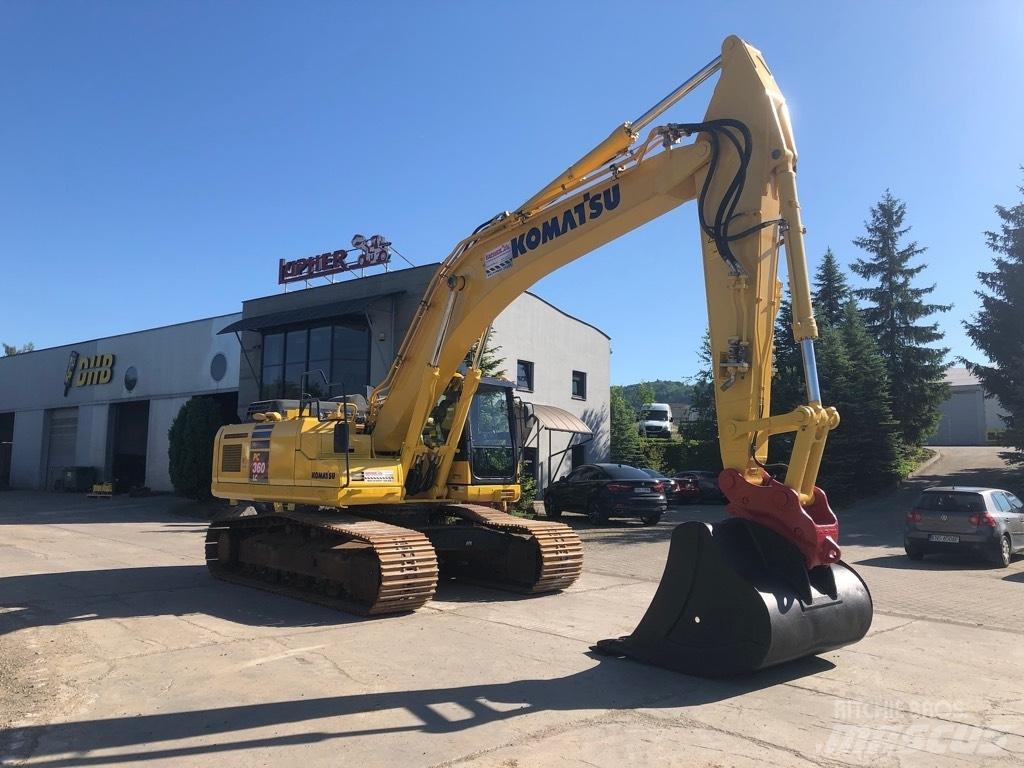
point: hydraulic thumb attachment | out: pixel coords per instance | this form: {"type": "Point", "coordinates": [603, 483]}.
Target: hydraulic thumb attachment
{"type": "Point", "coordinates": [737, 597]}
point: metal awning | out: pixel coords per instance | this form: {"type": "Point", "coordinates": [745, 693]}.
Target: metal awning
{"type": "Point", "coordinates": [554, 419]}
{"type": "Point", "coordinates": [337, 309]}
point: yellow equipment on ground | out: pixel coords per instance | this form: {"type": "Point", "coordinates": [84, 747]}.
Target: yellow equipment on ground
{"type": "Point", "coordinates": [101, 491]}
{"type": "Point", "coordinates": [360, 504]}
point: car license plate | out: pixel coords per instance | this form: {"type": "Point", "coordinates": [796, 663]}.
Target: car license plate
{"type": "Point", "coordinates": [944, 539]}
{"type": "Point", "coordinates": [641, 490]}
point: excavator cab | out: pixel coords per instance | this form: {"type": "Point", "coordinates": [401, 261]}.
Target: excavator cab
{"type": "Point", "coordinates": [486, 466]}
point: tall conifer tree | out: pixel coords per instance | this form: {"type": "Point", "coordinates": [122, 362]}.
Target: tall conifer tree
{"type": "Point", "coordinates": [896, 315]}
{"type": "Point", "coordinates": [997, 329]}
{"type": "Point", "coordinates": [831, 291]}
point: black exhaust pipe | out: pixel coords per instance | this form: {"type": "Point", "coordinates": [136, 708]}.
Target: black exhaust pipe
{"type": "Point", "coordinates": [736, 597]}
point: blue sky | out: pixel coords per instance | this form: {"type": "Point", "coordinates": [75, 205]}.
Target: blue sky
{"type": "Point", "coordinates": [159, 158]}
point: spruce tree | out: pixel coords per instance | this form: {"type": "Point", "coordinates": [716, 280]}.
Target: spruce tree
{"type": "Point", "coordinates": [997, 329]}
{"type": "Point", "coordinates": [831, 292]}
{"type": "Point", "coordinates": [702, 450]}
{"type": "Point", "coordinates": [788, 377]}
{"type": "Point", "coordinates": [862, 453]}
{"type": "Point", "coordinates": [893, 314]}
{"type": "Point", "coordinates": [623, 437]}
{"type": "Point", "coordinates": [490, 364]}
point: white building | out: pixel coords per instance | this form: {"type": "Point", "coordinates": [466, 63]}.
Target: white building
{"type": "Point", "coordinates": [105, 406]}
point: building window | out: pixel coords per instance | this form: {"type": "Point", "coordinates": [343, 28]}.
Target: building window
{"type": "Point", "coordinates": [579, 385]}
{"type": "Point", "coordinates": [524, 375]}
{"type": "Point", "coordinates": [342, 352]}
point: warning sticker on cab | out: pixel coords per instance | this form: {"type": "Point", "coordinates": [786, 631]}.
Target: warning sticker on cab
{"type": "Point", "coordinates": [498, 260]}
{"type": "Point", "coordinates": [378, 476]}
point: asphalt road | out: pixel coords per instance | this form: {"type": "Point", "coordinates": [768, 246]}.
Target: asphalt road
{"type": "Point", "coordinates": [116, 648]}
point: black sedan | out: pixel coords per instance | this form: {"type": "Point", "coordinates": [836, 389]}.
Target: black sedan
{"type": "Point", "coordinates": [604, 491]}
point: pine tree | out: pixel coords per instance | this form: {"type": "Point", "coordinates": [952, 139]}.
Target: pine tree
{"type": "Point", "coordinates": [831, 292]}
{"type": "Point", "coordinates": [997, 329]}
{"type": "Point", "coordinates": [788, 378]}
{"type": "Point", "coordinates": [624, 438]}
{"type": "Point", "coordinates": [892, 315]}
{"type": "Point", "coordinates": [702, 450]}
{"type": "Point", "coordinates": [10, 349]}
{"type": "Point", "coordinates": [862, 453]}
{"type": "Point", "coordinates": [490, 364]}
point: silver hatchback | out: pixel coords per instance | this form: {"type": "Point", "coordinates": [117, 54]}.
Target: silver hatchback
{"type": "Point", "coordinates": [987, 521]}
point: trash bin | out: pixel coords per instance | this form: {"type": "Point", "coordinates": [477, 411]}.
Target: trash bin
{"type": "Point", "coordinates": [78, 479]}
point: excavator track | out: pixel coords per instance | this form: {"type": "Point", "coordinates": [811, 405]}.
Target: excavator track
{"type": "Point", "coordinates": [359, 566]}
{"type": "Point", "coordinates": [548, 558]}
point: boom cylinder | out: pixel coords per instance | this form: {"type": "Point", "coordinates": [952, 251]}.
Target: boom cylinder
{"type": "Point", "coordinates": [703, 74]}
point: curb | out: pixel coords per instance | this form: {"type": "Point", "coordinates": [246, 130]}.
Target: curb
{"type": "Point", "coordinates": [923, 467]}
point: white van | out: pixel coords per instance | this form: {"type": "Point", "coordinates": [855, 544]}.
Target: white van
{"type": "Point", "coordinates": [655, 420]}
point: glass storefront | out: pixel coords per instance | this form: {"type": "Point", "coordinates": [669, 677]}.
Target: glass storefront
{"type": "Point", "coordinates": [341, 351]}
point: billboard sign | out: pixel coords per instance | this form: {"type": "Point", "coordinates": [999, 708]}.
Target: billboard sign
{"type": "Point", "coordinates": [365, 252]}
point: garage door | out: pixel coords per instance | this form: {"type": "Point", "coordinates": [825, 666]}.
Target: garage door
{"type": "Point", "coordinates": [60, 453]}
{"type": "Point", "coordinates": [966, 414]}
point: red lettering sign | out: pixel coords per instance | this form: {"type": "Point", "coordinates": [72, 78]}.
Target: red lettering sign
{"type": "Point", "coordinates": [372, 251]}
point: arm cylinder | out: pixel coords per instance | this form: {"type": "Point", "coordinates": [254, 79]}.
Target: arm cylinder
{"type": "Point", "coordinates": [804, 326]}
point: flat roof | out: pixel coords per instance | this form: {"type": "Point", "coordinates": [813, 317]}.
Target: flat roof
{"type": "Point", "coordinates": [960, 377]}
{"type": "Point", "coordinates": [126, 333]}
{"type": "Point", "coordinates": [378, 276]}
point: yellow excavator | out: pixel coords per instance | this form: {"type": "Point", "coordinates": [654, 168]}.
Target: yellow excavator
{"type": "Point", "coordinates": [360, 503]}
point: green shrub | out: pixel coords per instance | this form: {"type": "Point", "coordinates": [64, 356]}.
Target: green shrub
{"type": "Point", "coordinates": [653, 451]}
{"type": "Point", "coordinates": [675, 457]}
{"type": "Point", "coordinates": [527, 495]}
{"type": "Point", "coordinates": [190, 451]}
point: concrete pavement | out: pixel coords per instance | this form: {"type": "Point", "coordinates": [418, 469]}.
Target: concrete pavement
{"type": "Point", "coordinates": [116, 648]}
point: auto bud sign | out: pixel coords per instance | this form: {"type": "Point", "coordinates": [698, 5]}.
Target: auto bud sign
{"type": "Point", "coordinates": [372, 251]}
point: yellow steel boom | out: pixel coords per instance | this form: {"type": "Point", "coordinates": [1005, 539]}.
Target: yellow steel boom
{"type": "Point", "coordinates": [742, 168]}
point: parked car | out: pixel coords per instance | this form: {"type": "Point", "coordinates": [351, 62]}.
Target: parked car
{"type": "Point", "coordinates": [986, 521]}
{"type": "Point", "coordinates": [604, 491]}
{"type": "Point", "coordinates": [687, 489]}
{"type": "Point", "coordinates": [655, 420]}
{"type": "Point", "coordinates": [671, 486]}
{"type": "Point", "coordinates": [707, 485]}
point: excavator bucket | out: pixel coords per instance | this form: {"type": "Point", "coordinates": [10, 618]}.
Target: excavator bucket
{"type": "Point", "coordinates": [737, 597]}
